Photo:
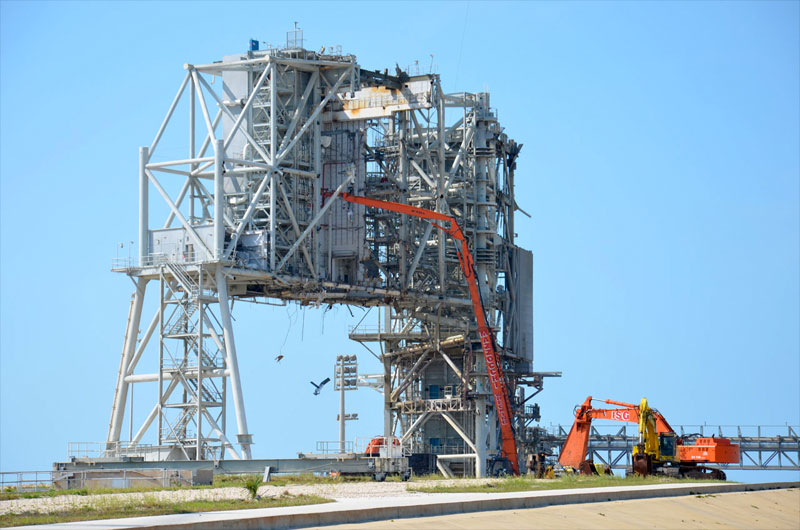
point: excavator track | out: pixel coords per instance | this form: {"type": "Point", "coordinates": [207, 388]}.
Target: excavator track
{"type": "Point", "coordinates": [702, 472]}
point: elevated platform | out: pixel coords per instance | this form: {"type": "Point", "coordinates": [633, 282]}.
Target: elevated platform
{"type": "Point", "coordinates": [347, 463]}
{"type": "Point", "coordinates": [249, 283]}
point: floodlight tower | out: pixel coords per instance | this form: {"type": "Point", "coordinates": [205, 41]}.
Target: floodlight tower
{"type": "Point", "coordinates": [345, 378]}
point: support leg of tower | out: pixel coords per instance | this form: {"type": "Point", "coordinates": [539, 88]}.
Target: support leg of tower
{"type": "Point", "coordinates": [129, 345]}
{"type": "Point", "coordinates": [387, 398]}
{"type": "Point", "coordinates": [480, 438]}
{"type": "Point", "coordinates": [493, 427]}
{"type": "Point", "coordinates": [243, 437]}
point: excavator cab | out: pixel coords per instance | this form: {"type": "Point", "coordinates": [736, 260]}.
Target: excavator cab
{"type": "Point", "coordinates": [667, 443]}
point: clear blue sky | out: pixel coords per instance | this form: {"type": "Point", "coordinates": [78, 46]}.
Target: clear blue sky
{"type": "Point", "coordinates": [660, 165]}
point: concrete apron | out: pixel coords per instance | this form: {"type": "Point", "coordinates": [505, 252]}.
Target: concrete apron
{"type": "Point", "coordinates": [384, 508]}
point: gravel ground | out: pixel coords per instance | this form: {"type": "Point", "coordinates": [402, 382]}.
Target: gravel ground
{"type": "Point", "coordinates": [344, 490]}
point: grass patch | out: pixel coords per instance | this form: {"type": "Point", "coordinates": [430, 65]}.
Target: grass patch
{"type": "Point", "coordinates": [11, 494]}
{"type": "Point", "coordinates": [428, 478]}
{"type": "Point", "coordinates": [524, 483]}
{"type": "Point", "coordinates": [116, 508]}
{"type": "Point", "coordinates": [224, 481]}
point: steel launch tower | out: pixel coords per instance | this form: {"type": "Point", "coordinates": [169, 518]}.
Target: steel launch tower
{"type": "Point", "coordinates": [257, 217]}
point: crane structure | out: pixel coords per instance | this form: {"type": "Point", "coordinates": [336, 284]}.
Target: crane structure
{"type": "Point", "coordinates": [245, 219]}
{"type": "Point", "coordinates": [493, 367]}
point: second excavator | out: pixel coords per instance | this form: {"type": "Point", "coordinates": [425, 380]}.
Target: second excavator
{"type": "Point", "coordinates": [658, 451]}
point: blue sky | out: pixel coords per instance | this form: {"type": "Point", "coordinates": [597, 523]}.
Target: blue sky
{"type": "Point", "coordinates": [660, 166]}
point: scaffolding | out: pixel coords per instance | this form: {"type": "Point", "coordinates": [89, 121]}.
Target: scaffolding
{"type": "Point", "coordinates": [257, 217]}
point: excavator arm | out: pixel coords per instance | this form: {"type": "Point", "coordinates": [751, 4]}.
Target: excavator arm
{"type": "Point", "coordinates": [630, 413]}
{"type": "Point", "coordinates": [577, 443]}
{"type": "Point", "coordinates": [575, 447]}
{"type": "Point", "coordinates": [449, 225]}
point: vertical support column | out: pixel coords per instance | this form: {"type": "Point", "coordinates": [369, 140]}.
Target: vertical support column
{"type": "Point", "coordinates": [388, 428]}
{"type": "Point", "coordinates": [144, 157]}
{"type": "Point", "coordinates": [490, 192]}
{"type": "Point", "coordinates": [161, 397]}
{"type": "Point", "coordinates": [387, 397]}
{"type": "Point", "coordinates": [512, 234]}
{"type": "Point", "coordinates": [481, 223]}
{"type": "Point", "coordinates": [329, 260]}
{"type": "Point", "coordinates": [192, 167]}
{"type": "Point", "coordinates": [341, 411]}
{"type": "Point", "coordinates": [441, 193]}
{"type": "Point", "coordinates": [317, 184]}
{"type": "Point", "coordinates": [199, 409]}
{"type": "Point", "coordinates": [243, 437]}
{"type": "Point", "coordinates": [224, 415]}
{"type": "Point", "coordinates": [128, 347]}
{"type": "Point", "coordinates": [480, 438]}
{"type": "Point", "coordinates": [130, 415]}
{"type": "Point", "coordinates": [402, 122]}
{"type": "Point", "coordinates": [273, 222]}
{"type": "Point", "coordinates": [493, 443]}
{"type": "Point", "coordinates": [273, 139]}
{"type": "Point", "coordinates": [481, 177]}
{"type": "Point", "coordinates": [219, 199]}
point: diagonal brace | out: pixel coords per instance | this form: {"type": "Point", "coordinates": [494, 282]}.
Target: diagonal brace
{"type": "Point", "coordinates": [189, 229]}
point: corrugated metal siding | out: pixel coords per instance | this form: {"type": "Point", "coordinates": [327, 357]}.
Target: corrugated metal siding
{"type": "Point", "coordinates": [524, 298]}
{"type": "Point", "coordinates": [347, 226]}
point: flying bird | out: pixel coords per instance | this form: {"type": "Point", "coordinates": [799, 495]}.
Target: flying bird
{"type": "Point", "coordinates": [278, 358]}
{"type": "Point", "coordinates": [318, 387]}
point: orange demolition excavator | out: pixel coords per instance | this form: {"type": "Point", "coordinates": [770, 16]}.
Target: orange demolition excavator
{"type": "Point", "coordinates": [659, 450]}
{"type": "Point", "coordinates": [494, 367]}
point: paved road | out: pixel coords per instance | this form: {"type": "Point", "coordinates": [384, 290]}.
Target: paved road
{"type": "Point", "coordinates": [752, 510]}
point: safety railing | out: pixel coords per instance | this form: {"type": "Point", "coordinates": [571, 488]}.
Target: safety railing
{"type": "Point", "coordinates": [148, 452]}
{"type": "Point", "coordinates": [131, 262]}
{"type": "Point", "coordinates": [90, 449]}
{"type": "Point", "coordinates": [701, 430]}
{"type": "Point", "coordinates": [328, 447]}
{"type": "Point", "coordinates": [25, 481]}
{"type": "Point", "coordinates": [37, 481]}
{"type": "Point", "coordinates": [122, 264]}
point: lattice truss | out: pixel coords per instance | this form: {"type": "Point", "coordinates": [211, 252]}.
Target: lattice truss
{"type": "Point", "coordinates": [253, 214]}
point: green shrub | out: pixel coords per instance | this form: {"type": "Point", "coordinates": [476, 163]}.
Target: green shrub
{"type": "Point", "coordinates": [252, 484]}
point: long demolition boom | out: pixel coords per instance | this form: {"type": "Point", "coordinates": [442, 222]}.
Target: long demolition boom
{"type": "Point", "coordinates": [499, 390]}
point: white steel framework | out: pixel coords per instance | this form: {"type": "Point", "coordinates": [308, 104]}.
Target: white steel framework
{"type": "Point", "coordinates": [257, 217]}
